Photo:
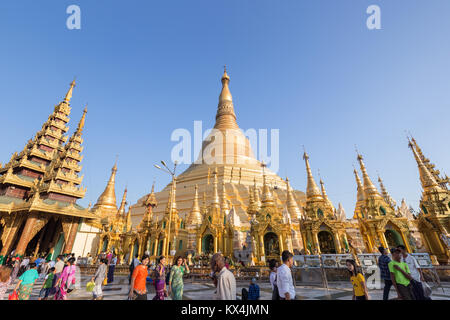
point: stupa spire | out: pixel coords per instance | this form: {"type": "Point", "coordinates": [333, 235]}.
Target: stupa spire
{"type": "Point", "coordinates": [195, 216]}
{"type": "Point", "coordinates": [359, 186]}
{"type": "Point", "coordinates": [312, 191]}
{"type": "Point", "coordinates": [426, 178]}
{"type": "Point", "coordinates": [385, 194]}
{"type": "Point", "coordinates": [291, 204]}
{"type": "Point", "coordinates": [82, 121]}
{"type": "Point", "coordinates": [256, 194]}
{"type": "Point", "coordinates": [215, 200]}
{"type": "Point", "coordinates": [266, 193]}
{"type": "Point", "coordinates": [225, 117]}
{"type": "Point", "coordinates": [369, 188]}
{"type": "Point", "coordinates": [121, 211]}
{"type": "Point", "coordinates": [324, 194]}
{"type": "Point", "coordinates": [69, 92]}
{"type": "Point", "coordinates": [107, 199]}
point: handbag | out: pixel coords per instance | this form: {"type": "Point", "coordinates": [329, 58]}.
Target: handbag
{"type": "Point", "coordinates": [90, 286]}
{"type": "Point", "coordinates": [13, 296]}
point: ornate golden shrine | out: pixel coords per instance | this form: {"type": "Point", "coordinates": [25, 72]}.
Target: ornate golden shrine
{"type": "Point", "coordinates": [433, 220]}
{"type": "Point", "coordinates": [323, 229]}
{"type": "Point", "coordinates": [377, 216]}
{"type": "Point", "coordinates": [39, 188]}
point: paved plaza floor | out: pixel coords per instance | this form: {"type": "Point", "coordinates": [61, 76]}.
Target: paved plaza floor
{"type": "Point", "coordinates": [204, 290]}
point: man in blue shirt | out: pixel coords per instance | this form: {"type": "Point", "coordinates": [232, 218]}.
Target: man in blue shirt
{"type": "Point", "coordinates": [253, 290]}
{"type": "Point", "coordinates": [383, 262]}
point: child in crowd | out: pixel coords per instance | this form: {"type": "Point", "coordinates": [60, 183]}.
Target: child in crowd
{"type": "Point", "coordinates": [47, 286]}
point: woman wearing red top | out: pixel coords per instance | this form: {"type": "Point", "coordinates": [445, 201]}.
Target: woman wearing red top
{"type": "Point", "coordinates": [138, 287]}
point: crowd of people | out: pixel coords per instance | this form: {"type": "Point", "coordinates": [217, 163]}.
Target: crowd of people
{"type": "Point", "coordinates": [58, 277]}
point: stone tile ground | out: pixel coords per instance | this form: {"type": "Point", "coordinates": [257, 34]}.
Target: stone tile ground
{"type": "Point", "coordinates": [201, 290]}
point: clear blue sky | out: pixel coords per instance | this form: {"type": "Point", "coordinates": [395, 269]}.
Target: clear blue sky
{"type": "Point", "coordinates": [309, 68]}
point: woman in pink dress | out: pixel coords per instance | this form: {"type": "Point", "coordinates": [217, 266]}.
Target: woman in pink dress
{"type": "Point", "coordinates": [66, 279]}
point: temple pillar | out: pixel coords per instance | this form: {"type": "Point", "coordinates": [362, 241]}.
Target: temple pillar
{"type": "Point", "coordinates": [405, 241]}
{"type": "Point", "coordinates": [41, 236]}
{"type": "Point", "coordinates": [281, 240]}
{"type": "Point", "coordinates": [71, 237]}
{"type": "Point", "coordinates": [25, 236]}
{"type": "Point", "coordinates": [304, 240]}
{"type": "Point", "coordinates": [382, 239]}
{"type": "Point", "coordinates": [164, 248]}
{"type": "Point", "coordinates": [261, 245]}
{"type": "Point", "coordinates": [9, 234]}
{"type": "Point", "coordinates": [215, 244]}
{"type": "Point", "coordinates": [199, 244]}
{"type": "Point", "coordinates": [316, 242]}
{"type": "Point", "coordinates": [155, 247]}
{"type": "Point", "coordinates": [337, 242]}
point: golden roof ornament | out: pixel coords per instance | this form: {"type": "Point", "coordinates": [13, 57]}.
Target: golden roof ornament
{"type": "Point", "coordinates": [107, 199]}
{"type": "Point", "coordinates": [426, 178]}
{"type": "Point", "coordinates": [195, 217]}
{"type": "Point", "coordinates": [225, 117]}
{"type": "Point", "coordinates": [266, 192]}
{"type": "Point", "coordinates": [370, 191]}
{"type": "Point", "coordinates": [312, 191]}
{"type": "Point", "coordinates": [151, 199]}
{"type": "Point", "coordinates": [69, 93]}
{"type": "Point", "coordinates": [121, 211]}
{"type": "Point", "coordinates": [215, 200]}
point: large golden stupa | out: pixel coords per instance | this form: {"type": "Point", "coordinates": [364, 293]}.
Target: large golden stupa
{"type": "Point", "coordinates": [227, 154]}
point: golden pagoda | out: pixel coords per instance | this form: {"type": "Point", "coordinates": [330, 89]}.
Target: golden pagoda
{"type": "Point", "coordinates": [433, 220]}
{"type": "Point", "coordinates": [379, 223]}
{"type": "Point", "coordinates": [227, 160]}
{"type": "Point", "coordinates": [323, 228]}
{"type": "Point", "coordinates": [39, 188]}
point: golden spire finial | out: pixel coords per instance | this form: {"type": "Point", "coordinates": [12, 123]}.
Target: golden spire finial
{"type": "Point", "coordinates": [426, 178]}
{"type": "Point", "coordinates": [266, 193]}
{"type": "Point", "coordinates": [151, 199]}
{"type": "Point", "coordinates": [359, 186]}
{"type": "Point", "coordinates": [369, 188]}
{"type": "Point", "coordinates": [121, 211]}
{"type": "Point", "coordinates": [385, 194]}
{"type": "Point", "coordinates": [82, 120]}
{"type": "Point", "coordinates": [107, 199]}
{"type": "Point", "coordinates": [215, 200]}
{"type": "Point", "coordinates": [194, 217]}
{"type": "Point", "coordinates": [225, 117]}
{"type": "Point", "coordinates": [311, 187]}
{"type": "Point", "coordinates": [324, 193]}
{"type": "Point", "coordinates": [69, 93]}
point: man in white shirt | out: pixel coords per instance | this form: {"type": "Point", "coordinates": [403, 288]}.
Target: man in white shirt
{"type": "Point", "coordinates": [223, 279]}
{"type": "Point", "coordinates": [285, 283]}
{"type": "Point", "coordinates": [416, 273]}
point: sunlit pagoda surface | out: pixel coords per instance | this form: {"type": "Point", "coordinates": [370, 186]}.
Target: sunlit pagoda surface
{"type": "Point", "coordinates": [238, 170]}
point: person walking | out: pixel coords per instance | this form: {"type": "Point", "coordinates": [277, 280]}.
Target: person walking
{"type": "Point", "coordinates": [285, 283]}
{"type": "Point", "coordinates": [26, 282]}
{"type": "Point", "coordinates": [253, 290]}
{"type": "Point", "coordinates": [160, 279]}
{"type": "Point", "coordinates": [66, 280]}
{"type": "Point", "coordinates": [47, 286]}
{"type": "Point", "coordinates": [416, 273]}
{"type": "Point", "coordinates": [111, 268]}
{"type": "Point", "coordinates": [223, 279]}
{"type": "Point", "coordinates": [273, 279]}
{"type": "Point", "coordinates": [5, 280]}
{"type": "Point", "coordinates": [383, 262]}
{"type": "Point", "coordinates": [138, 287]}
{"type": "Point", "coordinates": [98, 279]}
{"type": "Point", "coordinates": [24, 265]}
{"type": "Point", "coordinates": [59, 266]}
{"type": "Point", "coordinates": [400, 276]}
{"type": "Point", "coordinates": [358, 281]}
{"type": "Point", "coordinates": [134, 263]}
{"type": "Point", "coordinates": [15, 270]}
{"type": "Point", "coordinates": [176, 284]}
